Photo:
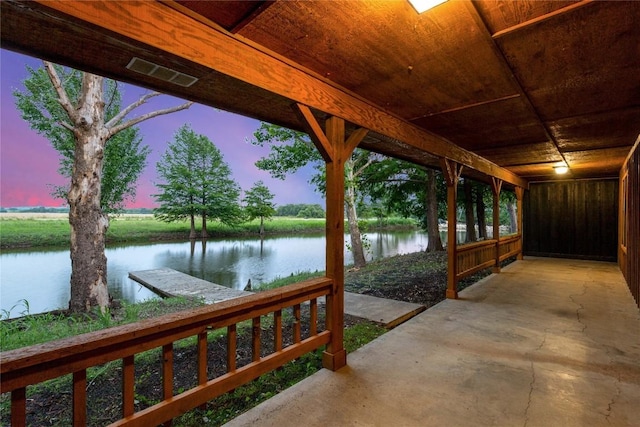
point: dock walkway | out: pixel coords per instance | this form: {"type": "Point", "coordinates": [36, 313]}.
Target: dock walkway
{"type": "Point", "coordinates": [169, 282]}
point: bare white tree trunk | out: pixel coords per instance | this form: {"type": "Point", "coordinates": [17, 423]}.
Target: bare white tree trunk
{"type": "Point", "coordinates": [357, 249]}
{"type": "Point", "coordinates": [513, 217]}
{"type": "Point", "coordinates": [88, 223]}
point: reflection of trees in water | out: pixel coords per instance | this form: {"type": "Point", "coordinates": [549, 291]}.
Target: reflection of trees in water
{"type": "Point", "coordinates": [124, 289]}
{"type": "Point", "coordinates": [216, 261]}
{"type": "Point", "coordinates": [226, 262]}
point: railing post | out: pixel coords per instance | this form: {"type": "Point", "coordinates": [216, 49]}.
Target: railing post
{"type": "Point", "coordinates": [167, 375]}
{"type": "Point", "coordinates": [452, 171]}
{"type": "Point", "coordinates": [128, 386]}
{"type": "Point", "coordinates": [80, 398]}
{"type": "Point", "coordinates": [496, 187]}
{"type": "Point", "coordinates": [19, 407]}
{"type": "Point", "coordinates": [201, 345]}
{"type": "Point", "coordinates": [519, 194]}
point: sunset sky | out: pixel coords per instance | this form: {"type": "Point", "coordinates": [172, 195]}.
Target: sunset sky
{"type": "Point", "coordinates": [28, 163]}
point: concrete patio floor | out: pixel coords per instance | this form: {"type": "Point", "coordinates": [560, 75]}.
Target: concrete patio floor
{"type": "Point", "coordinates": [547, 342]}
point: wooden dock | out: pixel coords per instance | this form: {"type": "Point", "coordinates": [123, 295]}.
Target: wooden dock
{"type": "Point", "coordinates": [168, 282]}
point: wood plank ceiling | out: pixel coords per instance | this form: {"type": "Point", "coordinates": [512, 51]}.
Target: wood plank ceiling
{"type": "Point", "coordinates": [526, 85]}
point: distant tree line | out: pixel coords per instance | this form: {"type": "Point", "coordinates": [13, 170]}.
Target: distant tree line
{"type": "Point", "coordinates": [35, 209]}
{"type": "Point", "coordinates": [300, 211]}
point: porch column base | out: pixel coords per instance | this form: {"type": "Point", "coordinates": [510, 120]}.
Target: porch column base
{"type": "Point", "coordinates": [495, 269]}
{"type": "Point", "coordinates": [334, 361]}
{"type": "Point", "coordinates": [452, 294]}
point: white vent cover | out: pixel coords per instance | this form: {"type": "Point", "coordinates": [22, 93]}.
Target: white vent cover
{"type": "Point", "coordinates": [159, 72]}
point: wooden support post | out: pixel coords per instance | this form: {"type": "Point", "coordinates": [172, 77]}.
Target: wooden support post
{"type": "Point", "coordinates": [519, 194]}
{"type": "Point", "coordinates": [335, 356]}
{"type": "Point", "coordinates": [496, 187]}
{"type": "Point", "coordinates": [452, 171]}
{"type": "Point", "coordinates": [335, 150]}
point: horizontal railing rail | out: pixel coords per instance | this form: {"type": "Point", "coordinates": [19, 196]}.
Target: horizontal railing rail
{"type": "Point", "coordinates": [476, 256]}
{"type": "Point", "coordinates": [510, 246]}
{"type": "Point", "coordinates": [35, 364]}
{"type": "Point", "coordinates": [473, 257]}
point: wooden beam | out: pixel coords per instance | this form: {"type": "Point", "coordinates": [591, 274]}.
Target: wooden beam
{"type": "Point", "coordinates": [541, 18]}
{"type": "Point", "coordinates": [503, 63]}
{"type": "Point", "coordinates": [314, 130]}
{"type": "Point", "coordinates": [163, 27]}
{"type": "Point", "coordinates": [355, 139]}
{"type": "Point", "coordinates": [452, 171]}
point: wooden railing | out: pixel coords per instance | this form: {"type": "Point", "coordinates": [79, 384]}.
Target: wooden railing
{"type": "Point", "coordinates": [473, 257]}
{"type": "Point", "coordinates": [32, 365]}
{"type": "Point", "coordinates": [510, 246]}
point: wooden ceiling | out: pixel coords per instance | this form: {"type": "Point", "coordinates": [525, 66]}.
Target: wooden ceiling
{"type": "Point", "coordinates": [510, 88]}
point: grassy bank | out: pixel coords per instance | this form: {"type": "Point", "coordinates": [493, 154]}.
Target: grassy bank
{"type": "Point", "coordinates": [53, 230]}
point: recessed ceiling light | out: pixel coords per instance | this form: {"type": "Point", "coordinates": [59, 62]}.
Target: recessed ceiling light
{"type": "Point", "coordinates": [562, 169]}
{"type": "Point", "coordinates": [424, 5]}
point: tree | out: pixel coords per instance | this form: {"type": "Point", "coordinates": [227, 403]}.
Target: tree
{"type": "Point", "coordinates": [470, 235]}
{"type": "Point", "coordinates": [410, 190]}
{"type": "Point", "coordinates": [197, 183]}
{"type": "Point", "coordinates": [259, 204]}
{"type": "Point", "coordinates": [480, 192]}
{"type": "Point", "coordinates": [80, 114]}
{"type": "Point", "coordinates": [311, 211]}
{"type": "Point", "coordinates": [291, 150]}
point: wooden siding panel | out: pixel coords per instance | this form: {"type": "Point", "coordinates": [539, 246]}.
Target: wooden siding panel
{"type": "Point", "coordinates": [629, 236]}
{"type": "Point", "coordinates": [573, 219]}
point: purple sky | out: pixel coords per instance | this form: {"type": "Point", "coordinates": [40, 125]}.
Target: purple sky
{"type": "Point", "coordinates": [28, 163]}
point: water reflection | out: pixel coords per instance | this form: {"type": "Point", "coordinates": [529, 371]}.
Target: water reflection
{"type": "Point", "coordinates": [42, 277]}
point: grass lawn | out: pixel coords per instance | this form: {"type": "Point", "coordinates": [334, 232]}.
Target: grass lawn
{"type": "Point", "coordinates": [51, 230]}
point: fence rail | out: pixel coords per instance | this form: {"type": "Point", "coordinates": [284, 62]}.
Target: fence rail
{"type": "Point", "coordinates": [510, 246]}
{"type": "Point", "coordinates": [32, 365]}
{"type": "Point", "coordinates": [473, 257]}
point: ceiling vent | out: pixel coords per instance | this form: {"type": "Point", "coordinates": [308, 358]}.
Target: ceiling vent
{"type": "Point", "coordinates": [159, 72]}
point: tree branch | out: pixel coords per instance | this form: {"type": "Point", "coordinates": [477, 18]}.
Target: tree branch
{"type": "Point", "coordinates": [63, 99]}
{"type": "Point", "coordinates": [363, 167]}
{"type": "Point", "coordinates": [123, 113]}
{"type": "Point", "coordinates": [67, 126]}
{"type": "Point", "coordinates": [115, 129]}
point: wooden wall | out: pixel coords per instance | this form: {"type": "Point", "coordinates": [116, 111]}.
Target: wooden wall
{"type": "Point", "coordinates": [572, 219]}
{"type": "Point", "coordinates": [629, 231]}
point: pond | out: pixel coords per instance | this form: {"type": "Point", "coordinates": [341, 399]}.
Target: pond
{"type": "Point", "coordinates": [41, 278]}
